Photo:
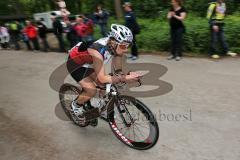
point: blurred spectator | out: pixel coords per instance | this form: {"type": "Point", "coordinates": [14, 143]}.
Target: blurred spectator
{"type": "Point", "coordinates": [26, 40]}
{"type": "Point", "coordinates": [14, 30]}
{"type": "Point", "coordinates": [58, 31]}
{"type": "Point", "coordinates": [4, 37]}
{"type": "Point", "coordinates": [24, 37]}
{"type": "Point", "coordinates": [32, 34]}
{"type": "Point", "coordinates": [42, 30]}
{"type": "Point", "coordinates": [101, 18]}
{"type": "Point", "coordinates": [63, 8]}
{"type": "Point", "coordinates": [89, 30]}
{"type": "Point", "coordinates": [176, 16]}
{"type": "Point", "coordinates": [80, 28]}
{"type": "Point", "coordinates": [215, 15]}
{"type": "Point", "coordinates": [71, 33]}
{"type": "Point", "coordinates": [131, 23]}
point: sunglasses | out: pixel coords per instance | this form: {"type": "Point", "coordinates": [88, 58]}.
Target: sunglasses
{"type": "Point", "coordinates": [124, 45]}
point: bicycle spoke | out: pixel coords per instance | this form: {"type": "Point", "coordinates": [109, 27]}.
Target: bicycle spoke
{"type": "Point", "coordinates": [141, 125]}
{"type": "Point", "coordinates": [128, 129]}
{"type": "Point", "coordinates": [124, 132]}
{"type": "Point", "coordinates": [140, 132]}
{"type": "Point", "coordinates": [118, 120]}
{"type": "Point", "coordinates": [141, 136]}
{"type": "Point", "coordinates": [129, 134]}
{"type": "Point", "coordinates": [68, 97]}
{"type": "Point", "coordinates": [122, 123]}
{"type": "Point", "coordinates": [137, 135]}
{"type": "Point", "coordinates": [119, 123]}
{"type": "Point", "coordinates": [134, 134]}
{"type": "Point", "coordinates": [123, 127]}
{"type": "Point", "coordinates": [132, 128]}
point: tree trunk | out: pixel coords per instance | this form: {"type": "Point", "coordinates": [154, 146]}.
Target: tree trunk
{"type": "Point", "coordinates": [118, 8]}
{"type": "Point", "coordinates": [17, 7]}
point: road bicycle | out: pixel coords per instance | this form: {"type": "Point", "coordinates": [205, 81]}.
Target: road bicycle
{"type": "Point", "coordinates": [131, 121]}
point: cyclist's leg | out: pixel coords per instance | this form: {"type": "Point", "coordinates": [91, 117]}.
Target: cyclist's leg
{"type": "Point", "coordinates": [82, 76]}
{"type": "Point", "coordinates": [93, 76]}
{"type": "Point", "coordinates": [89, 90]}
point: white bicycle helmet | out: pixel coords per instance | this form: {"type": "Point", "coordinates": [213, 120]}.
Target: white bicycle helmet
{"type": "Point", "coordinates": [121, 33]}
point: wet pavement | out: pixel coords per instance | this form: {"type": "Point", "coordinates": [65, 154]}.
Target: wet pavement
{"type": "Point", "coordinates": [205, 96]}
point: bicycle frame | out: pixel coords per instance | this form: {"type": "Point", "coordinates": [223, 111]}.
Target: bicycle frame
{"type": "Point", "coordinates": [113, 95]}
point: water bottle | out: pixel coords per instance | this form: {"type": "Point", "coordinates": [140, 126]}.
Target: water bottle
{"type": "Point", "coordinates": [97, 101]}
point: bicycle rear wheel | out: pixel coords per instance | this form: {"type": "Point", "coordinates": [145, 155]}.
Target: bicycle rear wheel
{"type": "Point", "coordinates": [133, 123]}
{"type": "Point", "coordinates": [67, 94]}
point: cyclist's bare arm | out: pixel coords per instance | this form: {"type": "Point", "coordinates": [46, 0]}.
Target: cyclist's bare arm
{"type": "Point", "coordinates": [117, 63]}
{"type": "Point", "coordinates": [99, 68]}
{"type": "Point", "coordinates": [117, 66]}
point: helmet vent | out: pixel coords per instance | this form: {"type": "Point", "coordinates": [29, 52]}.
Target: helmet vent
{"type": "Point", "coordinates": [115, 28]}
{"type": "Point", "coordinates": [121, 33]}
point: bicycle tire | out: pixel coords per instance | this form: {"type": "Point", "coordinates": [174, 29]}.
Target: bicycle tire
{"type": "Point", "coordinates": [153, 136]}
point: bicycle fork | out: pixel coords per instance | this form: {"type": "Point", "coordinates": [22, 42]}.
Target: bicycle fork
{"type": "Point", "coordinates": [122, 109]}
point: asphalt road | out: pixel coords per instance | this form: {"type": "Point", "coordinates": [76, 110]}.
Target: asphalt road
{"type": "Point", "coordinates": [205, 97]}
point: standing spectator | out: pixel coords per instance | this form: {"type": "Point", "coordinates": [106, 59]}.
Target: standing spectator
{"type": "Point", "coordinates": [81, 29]}
{"type": "Point", "coordinates": [4, 37]}
{"type": "Point", "coordinates": [176, 16]}
{"type": "Point", "coordinates": [58, 31]}
{"type": "Point", "coordinates": [26, 40]}
{"type": "Point", "coordinates": [42, 30]}
{"type": "Point", "coordinates": [14, 29]}
{"type": "Point", "coordinates": [101, 18]}
{"type": "Point", "coordinates": [71, 33]}
{"type": "Point", "coordinates": [63, 9]}
{"type": "Point", "coordinates": [24, 37]}
{"type": "Point", "coordinates": [88, 38]}
{"type": "Point", "coordinates": [131, 23]}
{"type": "Point", "coordinates": [215, 15]}
{"type": "Point", "coordinates": [32, 34]}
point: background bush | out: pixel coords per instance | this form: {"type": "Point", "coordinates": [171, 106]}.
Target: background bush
{"type": "Point", "coordinates": [155, 34]}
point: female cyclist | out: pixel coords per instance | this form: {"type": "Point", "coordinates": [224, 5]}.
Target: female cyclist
{"type": "Point", "coordinates": [86, 64]}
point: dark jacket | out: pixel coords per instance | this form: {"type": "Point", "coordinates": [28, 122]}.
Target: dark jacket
{"type": "Point", "coordinates": [101, 18]}
{"type": "Point", "coordinates": [42, 30]}
{"type": "Point", "coordinates": [131, 22]}
{"type": "Point", "coordinates": [57, 27]}
{"type": "Point", "coordinates": [175, 23]}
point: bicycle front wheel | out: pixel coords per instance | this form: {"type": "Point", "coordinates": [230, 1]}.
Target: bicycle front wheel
{"type": "Point", "coordinates": [133, 123]}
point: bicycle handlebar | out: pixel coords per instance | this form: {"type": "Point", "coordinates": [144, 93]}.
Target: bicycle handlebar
{"type": "Point", "coordinates": [107, 86]}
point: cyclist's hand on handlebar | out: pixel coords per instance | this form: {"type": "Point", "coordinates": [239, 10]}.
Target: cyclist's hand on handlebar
{"type": "Point", "coordinates": [133, 76]}
{"type": "Point", "coordinates": [138, 74]}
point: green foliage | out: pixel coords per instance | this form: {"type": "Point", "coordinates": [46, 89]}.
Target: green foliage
{"type": "Point", "coordinates": [233, 31]}
{"type": "Point", "coordinates": [146, 8]}
{"type": "Point", "coordinates": [196, 6]}
{"type": "Point", "coordinates": [155, 34]}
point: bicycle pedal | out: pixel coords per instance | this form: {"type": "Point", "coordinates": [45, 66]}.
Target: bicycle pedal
{"type": "Point", "coordinates": [94, 122]}
{"type": "Point", "coordinates": [81, 120]}
{"type": "Point", "coordinates": [91, 114]}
